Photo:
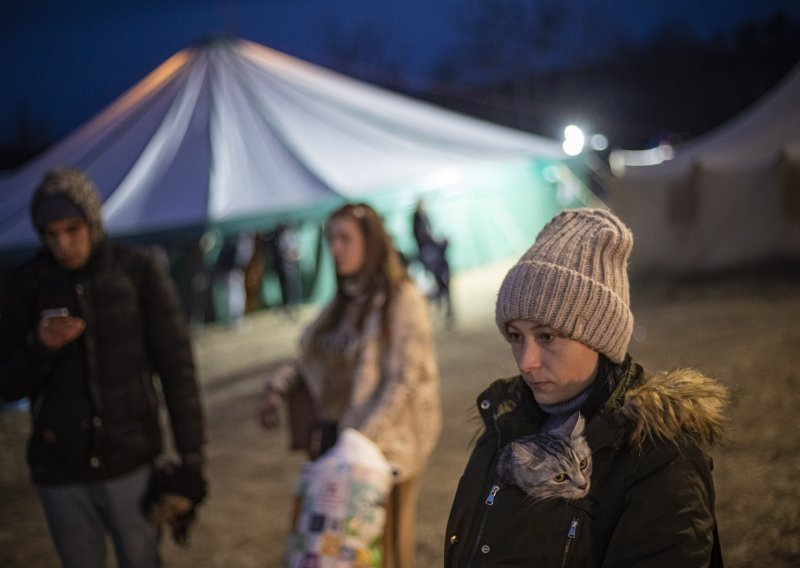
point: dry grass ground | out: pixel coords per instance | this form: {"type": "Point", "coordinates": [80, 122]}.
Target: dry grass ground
{"type": "Point", "coordinates": [745, 332]}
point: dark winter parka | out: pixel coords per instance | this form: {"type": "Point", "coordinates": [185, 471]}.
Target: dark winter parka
{"type": "Point", "coordinates": [94, 403]}
{"type": "Point", "coordinates": [651, 498]}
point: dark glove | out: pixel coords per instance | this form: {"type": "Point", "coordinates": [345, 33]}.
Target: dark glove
{"type": "Point", "coordinates": [189, 482]}
{"type": "Point", "coordinates": [172, 496]}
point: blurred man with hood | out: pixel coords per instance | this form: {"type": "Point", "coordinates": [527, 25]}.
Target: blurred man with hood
{"type": "Point", "coordinates": [86, 328]}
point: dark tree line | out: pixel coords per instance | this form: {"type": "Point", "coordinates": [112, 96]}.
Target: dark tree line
{"type": "Point", "coordinates": [675, 86]}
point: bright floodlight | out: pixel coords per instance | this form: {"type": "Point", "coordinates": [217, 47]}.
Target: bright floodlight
{"type": "Point", "coordinates": [573, 140]}
{"type": "Point", "coordinates": [598, 142]}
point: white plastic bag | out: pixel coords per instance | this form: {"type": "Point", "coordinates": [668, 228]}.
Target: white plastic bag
{"type": "Point", "coordinates": [340, 507]}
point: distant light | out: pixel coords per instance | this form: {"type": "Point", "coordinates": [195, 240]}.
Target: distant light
{"type": "Point", "coordinates": [598, 142]}
{"type": "Point", "coordinates": [572, 131]}
{"type": "Point", "coordinates": [619, 160]}
{"type": "Point", "coordinates": [616, 161]}
{"type": "Point", "coordinates": [573, 140]}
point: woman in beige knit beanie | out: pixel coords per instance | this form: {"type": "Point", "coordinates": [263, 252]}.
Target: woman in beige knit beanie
{"type": "Point", "coordinates": [585, 459]}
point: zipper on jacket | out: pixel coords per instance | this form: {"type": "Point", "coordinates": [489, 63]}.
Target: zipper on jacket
{"type": "Point", "coordinates": [492, 493]}
{"type": "Point", "coordinates": [489, 502]}
{"type": "Point", "coordinates": [571, 533]}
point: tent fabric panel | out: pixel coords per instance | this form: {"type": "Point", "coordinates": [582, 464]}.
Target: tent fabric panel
{"type": "Point", "coordinates": [738, 222]}
{"type": "Point", "coordinates": [153, 193]}
{"type": "Point", "coordinates": [351, 156]}
{"type": "Point", "coordinates": [106, 147]}
{"type": "Point", "coordinates": [444, 126]}
{"type": "Point", "coordinates": [357, 139]}
{"type": "Point", "coordinates": [734, 222]}
{"type": "Point", "coordinates": [721, 203]}
{"type": "Point", "coordinates": [252, 170]}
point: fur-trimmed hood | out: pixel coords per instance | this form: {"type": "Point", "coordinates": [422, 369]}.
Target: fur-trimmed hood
{"type": "Point", "coordinates": [664, 407]}
{"type": "Point", "coordinates": [669, 405]}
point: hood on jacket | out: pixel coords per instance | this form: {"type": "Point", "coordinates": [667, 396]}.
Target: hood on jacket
{"type": "Point", "coordinates": [671, 405]}
{"type": "Point", "coordinates": [78, 188]}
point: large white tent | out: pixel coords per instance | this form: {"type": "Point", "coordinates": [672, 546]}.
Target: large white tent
{"type": "Point", "coordinates": [229, 131]}
{"type": "Point", "coordinates": [728, 200]}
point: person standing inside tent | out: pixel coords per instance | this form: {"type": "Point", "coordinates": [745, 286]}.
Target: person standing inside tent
{"type": "Point", "coordinates": [585, 459]}
{"type": "Point", "coordinates": [284, 253]}
{"type": "Point", "coordinates": [433, 255]}
{"type": "Point", "coordinates": [367, 362]}
{"type": "Point", "coordinates": [234, 257]}
{"type": "Point", "coordinates": [85, 327]}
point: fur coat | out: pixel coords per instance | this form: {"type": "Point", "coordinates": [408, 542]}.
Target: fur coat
{"type": "Point", "coordinates": [395, 398]}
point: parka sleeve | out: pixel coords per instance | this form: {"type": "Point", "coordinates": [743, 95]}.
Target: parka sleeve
{"type": "Point", "coordinates": [668, 510]}
{"type": "Point", "coordinates": [170, 351]}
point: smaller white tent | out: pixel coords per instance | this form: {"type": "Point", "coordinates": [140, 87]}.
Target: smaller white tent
{"type": "Point", "coordinates": [229, 130]}
{"type": "Point", "coordinates": [730, 199]}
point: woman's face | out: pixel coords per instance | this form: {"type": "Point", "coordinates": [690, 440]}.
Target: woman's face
{"type": "Point", "coordinates": [555, 368]}
{"type": "Point", "coordinates": [348, 246]}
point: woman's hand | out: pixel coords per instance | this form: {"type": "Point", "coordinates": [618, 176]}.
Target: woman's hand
{"type": "Point", "coordinates": [269, 408]}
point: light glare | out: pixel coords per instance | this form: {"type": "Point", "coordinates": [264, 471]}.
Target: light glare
{"type": "Point", "coordinates": [573, 140]}
{"type": "Point", "coordinates": [598, 142]}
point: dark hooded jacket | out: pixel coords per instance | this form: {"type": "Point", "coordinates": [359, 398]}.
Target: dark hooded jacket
{"type": "Point", "coordinates": [94, 402]}
{"type": "Point", "coordinates": [651, 497]}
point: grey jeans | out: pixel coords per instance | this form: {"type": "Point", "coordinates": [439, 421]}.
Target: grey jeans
{"type": "Point", "coordinates": [80, 517]}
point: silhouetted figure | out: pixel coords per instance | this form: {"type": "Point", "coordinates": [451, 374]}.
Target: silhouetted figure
{"type": "Point", "coordinates": [237, 250]}
{"type": "Point", "coordinates": [191, 278]}
{"type": "Point", "coordinates": [254, 277]}
{"type": "Point", "coordinates": [284, 251]}
{"type": "Point", "coordinates": [433, 255]}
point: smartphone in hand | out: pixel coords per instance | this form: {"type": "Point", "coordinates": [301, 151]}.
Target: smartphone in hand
{"type": "Point", "coordinates": [58, 327]}
{"type": "Point", "coordinates": [55, 313]}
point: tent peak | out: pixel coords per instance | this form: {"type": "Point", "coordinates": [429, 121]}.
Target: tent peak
{"type": "Point", "coordinates": [215, 41]}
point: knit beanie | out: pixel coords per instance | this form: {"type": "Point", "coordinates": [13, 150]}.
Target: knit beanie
{"type": "Point", "coordinates": [574, 279]}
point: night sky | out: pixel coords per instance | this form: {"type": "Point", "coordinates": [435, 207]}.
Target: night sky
{"type": "Point", "coordinates": [62, 62]}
